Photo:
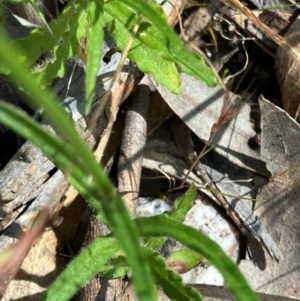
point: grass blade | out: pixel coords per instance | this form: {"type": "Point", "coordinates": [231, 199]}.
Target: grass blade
{"type": "Point", "coordinates": [94, 180]}
{"type": "Point", "coordinates": [164, 226]}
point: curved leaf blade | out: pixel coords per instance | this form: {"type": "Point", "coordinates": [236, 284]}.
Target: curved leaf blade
{"type": "Point", "coordinates": [195, 240]}
{"type": "Point", "coordinates": [170, 282]}
{"type": "Point", "coordinates": [81, 269]}
{"type": "Point", "coordinates": [112, 204]}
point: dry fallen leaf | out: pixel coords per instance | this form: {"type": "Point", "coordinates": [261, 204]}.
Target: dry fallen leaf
{"type": "Point", "coordinates": [281, 209]}
{"type": "Point", "coordinates": [288, 72]}
{"type": "Point", "coordinates": [200, 106]}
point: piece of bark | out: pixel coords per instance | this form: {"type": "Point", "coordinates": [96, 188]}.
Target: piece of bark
{"type": "Point", "coordinates": [132, 147]}
{"type": "Point", "coordinates": [96, 289]}
{"type": "Point", "coordinates": [12, 258]}
{"type": "Point", "coordinates": [45, 262]}
{"type": "Point", "coordinates": [281, 209]}
{"type": "Point", "coordinates": [277, 21]}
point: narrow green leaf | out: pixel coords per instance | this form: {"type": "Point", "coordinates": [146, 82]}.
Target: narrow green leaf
{"type": "Point", "coordinates": [95, 182]}
{"type": "Point", "coordinates": [66, 158]}
{"type": "Point", "coordinates": [193, 239]}
{"type": "Point", "coordinates": [94, 47]}
{"type": "Point", "coordinates": [81, 269]}
{"type": "Point", "coordinates": [183, 260]}
{"type": "Point", "coordinates": [170, 282]}
{"type": "Point", "coordinates": [190, 62]}
{"type": "Point", "coordinates": [182, 205]}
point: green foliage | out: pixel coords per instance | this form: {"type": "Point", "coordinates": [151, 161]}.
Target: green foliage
{"type": "Point", "coordinates": [182, 205]}
{"type": "Point", "coordinates": [75, 31]}
{"type": "Point", "coordinates": [195, 240]}
{"type": "Point", "coordinates": [27, 51]}
{"type": "Point", "coordinates": [149, 49]}
{"type": "Point", "coordinates": [88, 263]}
{"type": "Point", "coordinates": [189, 62]}
{"type": "Point", "coordinates": [95, 38]}
{"type": "Point", "coordinates": [156, 48]}
{"type": "Point", "coordinates": [110, 256]}
{"type": "Point", "coordinates": [183, 260]}
{"type": "Point", "coordinates": [82, 171]}
{"type": "Point", "coordinates": [169, 281]}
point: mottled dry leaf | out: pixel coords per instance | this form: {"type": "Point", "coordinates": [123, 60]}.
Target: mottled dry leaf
{"type": "Point", "coordinates": [288, 72]}
{"type": "Point", "coordinates": [281, 209]}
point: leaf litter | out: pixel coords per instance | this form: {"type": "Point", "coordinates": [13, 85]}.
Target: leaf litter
{"type": "Point", "coordinates": [236, 168]}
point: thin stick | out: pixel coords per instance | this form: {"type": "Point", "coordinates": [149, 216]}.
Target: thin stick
{"type": "Point", "coordinates": [114, 106]}
{"type": "Point", "coordinates": [279, 40]}
{"type": "Point", "coordinates": [104, 99]}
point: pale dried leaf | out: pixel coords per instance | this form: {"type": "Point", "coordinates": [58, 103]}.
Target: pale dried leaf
{"type": "Point", "coordinates": [200, 106]}
{"type": "Point", "coordinates": [288, 72]}
{"type": "Point", "coordinates": [281, 210]}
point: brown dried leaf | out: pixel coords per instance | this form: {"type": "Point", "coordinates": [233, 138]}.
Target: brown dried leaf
{"type": "Point", "coordinates": [288, 72]}
{"type": "Point", "coordinates": [281, 209]}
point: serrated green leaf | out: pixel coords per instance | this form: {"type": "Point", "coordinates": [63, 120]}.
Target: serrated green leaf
{"type": "Point", "coordinates": [94, 48]}
{"type": "Point", "coordinates": [164, 226]}
{"type": "Point", "coordinates": [170, 282]}
{"type": "Point", "coordinates": [68, 48]}
{"type": "Point", "coordinates": [147, 33]}
{"type": "Point", "coordinates": [190, 62]}
{"type": "Point", "coordinates": [81, 269]}
{"type": "Point", "coordinates": [117, 267]}
{"type": "Point", "coordinates": [42, 40]}
{"type": "Point", "coordinates": [181, 261]}
{"type": "Point", "coordinates": [148, 47]}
